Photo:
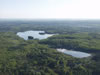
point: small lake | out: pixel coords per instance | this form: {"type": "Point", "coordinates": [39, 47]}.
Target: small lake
{"type": "Point", "coordinates": [76, 54]}
{"type": "Point", "coordinates": [35, 34]}
{"type": "Point", "coordinates": [42, 35]}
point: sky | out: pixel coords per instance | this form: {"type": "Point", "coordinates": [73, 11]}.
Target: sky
{"type": "Point", "coordinates": [50, 9]}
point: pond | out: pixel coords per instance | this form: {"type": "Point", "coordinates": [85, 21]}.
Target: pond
{"type": "Point", "coordinates": [76, 54]}
{"type": "Point", "coordinates": [35, 34]}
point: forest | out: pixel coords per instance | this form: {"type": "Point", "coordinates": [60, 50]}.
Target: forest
{"type": "Point", "coordinates": [40, 57]}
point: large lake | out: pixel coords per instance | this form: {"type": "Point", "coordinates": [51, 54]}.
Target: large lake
{"type": "Point", "coordinates": [34, 34]}
{"type": "Point", "coordinates": [76, 54]}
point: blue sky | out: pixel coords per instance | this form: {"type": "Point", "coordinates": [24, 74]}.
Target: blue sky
{"type": "Point", "coordinates": [50, 9]}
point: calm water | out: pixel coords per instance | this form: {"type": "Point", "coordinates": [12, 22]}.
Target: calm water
{"type": "Point", "coordinates": [77, 54]}
{"type": "Point", "coordinates": [34, 34]}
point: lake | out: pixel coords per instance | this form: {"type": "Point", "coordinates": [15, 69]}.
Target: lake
{"type": "Point", "coordinates": [35, 34]}
{"type": "Point", "coordinates": [42, 35]}
{"type": "Point", "coordinates": [76, 54]}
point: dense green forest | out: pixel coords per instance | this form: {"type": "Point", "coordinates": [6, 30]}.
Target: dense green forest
{"type": "Point", "coordinates": [78, 41]}
{"type": "Point", "coordinates": [40, 57]}
{"type": "Point", "coordinates": [51, 26]}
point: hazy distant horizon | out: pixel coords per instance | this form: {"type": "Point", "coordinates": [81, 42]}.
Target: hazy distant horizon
{"type": "Point", "coordinates": [49, 9]}
{"type": "Point", "coordinates": [45, 19]}
{"type": "Point", "coordinates": [51, 20]}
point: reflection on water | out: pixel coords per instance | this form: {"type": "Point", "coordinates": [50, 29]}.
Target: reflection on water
{"type": "Point", "coordinates": [77, 54]}
{"type": "Point", "coordinates": [36, 34]}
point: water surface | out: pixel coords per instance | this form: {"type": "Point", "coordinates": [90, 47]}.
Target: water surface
{"type": "Point", "coordinates": [76, 54]}
{"type": "Point", "coordinates": [34, 34]}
